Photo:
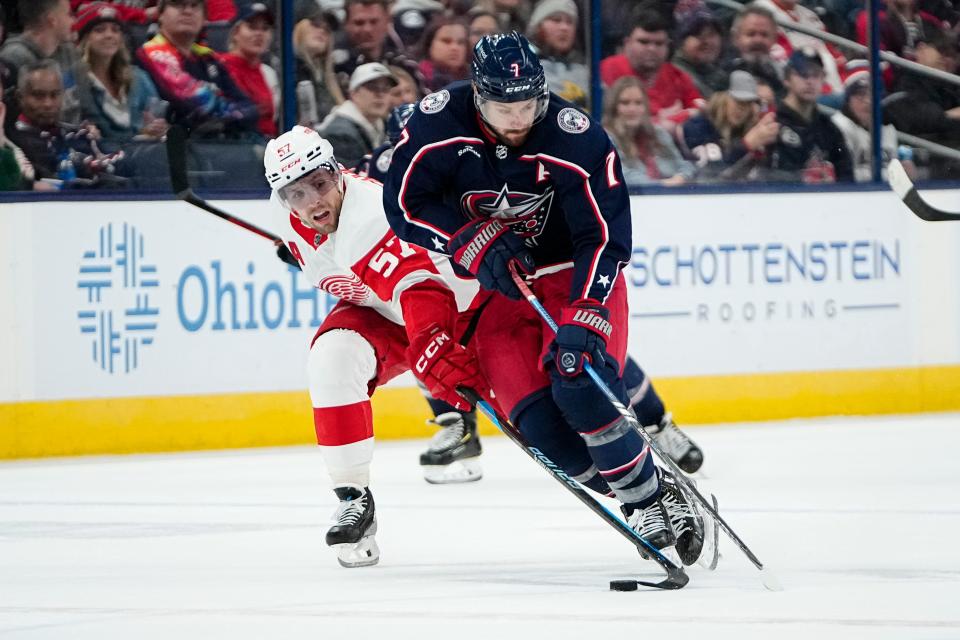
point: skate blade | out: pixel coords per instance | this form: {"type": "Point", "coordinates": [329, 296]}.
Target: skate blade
{"type": "Point", "coordinates": [710, 555]}
{"type": "Point", "coordinates": [364, 553]}
{"type": "Point", "coordinates": [457, 472]}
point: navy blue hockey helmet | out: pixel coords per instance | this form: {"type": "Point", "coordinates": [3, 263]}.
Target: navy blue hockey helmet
{"type": "Point", "coordinates": [506, 69]}
{"type": "Point", "coordinates": [397, 120]}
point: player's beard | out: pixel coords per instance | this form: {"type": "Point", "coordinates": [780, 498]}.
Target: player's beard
{"type": "Point", "coordinates": [513, 137]}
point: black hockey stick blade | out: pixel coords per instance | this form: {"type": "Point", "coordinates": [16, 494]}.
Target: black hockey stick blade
{"type": "Point", "coordinates": [177, 162]}
{"type": "Point", "coordinates": [902, 185]}
{"type": "Point", "coordinates": [676, 578]}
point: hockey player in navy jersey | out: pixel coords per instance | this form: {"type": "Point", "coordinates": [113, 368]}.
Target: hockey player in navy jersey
{"type": "Point", "coordinates": [499, 173]}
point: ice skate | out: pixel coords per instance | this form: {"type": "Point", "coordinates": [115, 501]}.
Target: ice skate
{"type": "Point", "coordinates": [453, 455]}
{"type": "Point", "coordinates": [676, 444]}
{"type": "Point", "coordinates": [652, 524]}
{"type": "Point", "coordinates": [685, 518]}
{"type": "Point", "coordinates": [671, 524]}
{"type": "Point", "coordinates": [354, 526]}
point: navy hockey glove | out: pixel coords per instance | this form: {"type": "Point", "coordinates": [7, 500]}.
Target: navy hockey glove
{"type": "Point", "coordinates": [583, 333]}
{"type": "Point", "coordinates": [484, 249]}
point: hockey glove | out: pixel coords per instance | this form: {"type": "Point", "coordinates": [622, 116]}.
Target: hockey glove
{"type": "Point", "coordinates": [442, 365]}
{"type": "Point", "coordinates": [284, 254]}
{"type": "Point", "coordinates": [484, 249]}
{"type": "Point", "coordinates": [583, 333]}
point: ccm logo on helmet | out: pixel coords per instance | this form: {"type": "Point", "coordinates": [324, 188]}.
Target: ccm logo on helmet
{"type": "Point", "coordinates": [431, 350]}
{"type": "Point", "coordinates": [525, 87]}
{"type": "Point", "coordinates": [290, 165]}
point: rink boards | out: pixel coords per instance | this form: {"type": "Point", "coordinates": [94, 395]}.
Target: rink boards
{"type": "Point", "coordinates": [151, 326]}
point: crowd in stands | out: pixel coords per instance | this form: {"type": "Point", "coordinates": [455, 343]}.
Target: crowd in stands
{"type": "Point", "coordinates": [692, 93]}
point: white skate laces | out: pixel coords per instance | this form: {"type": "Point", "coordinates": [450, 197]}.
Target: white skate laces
{"type": "Point", "coordinates": [451, 431]}
{"type": "Point", "coordinates": [349, 512]}
{"type": "Point", "coordinates": [674, 442]}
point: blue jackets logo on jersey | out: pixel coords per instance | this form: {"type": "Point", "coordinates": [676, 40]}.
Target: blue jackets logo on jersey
{"type": "Point", "coordinates": [525, 213]}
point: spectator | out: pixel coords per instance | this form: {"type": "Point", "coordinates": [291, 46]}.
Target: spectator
{"type": "Point", "coordinates": [511, 14]}
{"type": "Point", "coordinates": [411, 17]}
{"type": "Point", "coordinates": [754, 33]}
{"type": "Point", "coordinates": [698, 54]}
{"type": "Point", "coordinates": [16, 172]}
{"type": "Point", "coordinates": [443, 53]}
{"type": "Point", "coordinates": [128, 12]}
{"type": "Point", "coordinates": [356, 127]}
{"type": "Point", "coordinates": [482, 23]}
{"type": "Point", "coordinates": [671, 93]}
{"type": "Point", "coordinates": [789, 41]}
{"type": "Point", "coordinates": [367, 37]}
{"type": "Point", "coordinates": [318, 90]}
{"type": "Point", "coordinates": [46, 35]}
{"type": "Point", "coordinates": [189, 76]}
{"type": "Point", "coordinates": [902, 25]}
{"type": "Point", "coordinates": [854, 120]}
{"type": "Point", "coordinates": [732, 135]}
{"type": "Point", "coordinates": [553, 31]}
{"type": "Point", "coordinates": [407, 89]}
{"type": "Point", "coordinates": [808, 145]}
{"type": "Point", "coordinates": [250, 39]}
{"type": "Point", "coordinates": [647, 152]}
{"type": "Point", "coordinates": [56, 149]}
{"type": "Point", "coordinates": [928, 107]}
{"type": "Point", "coordinates": [113, 94]}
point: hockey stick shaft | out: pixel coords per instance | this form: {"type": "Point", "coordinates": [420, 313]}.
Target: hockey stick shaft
{"type": "Point", "coordinates": [629, 417]}
{"type": "Point", "coordinates": [676, 576]}
{"type": "Point", "coordinates": [177, 162]}
{"type": "Point", "coordinates": [904, 188]}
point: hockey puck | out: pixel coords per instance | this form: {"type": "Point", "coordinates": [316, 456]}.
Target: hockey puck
{"type": "Point", "coordinates": [623, 585]}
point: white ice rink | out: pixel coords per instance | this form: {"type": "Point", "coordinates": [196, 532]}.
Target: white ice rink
{"type": "Point", "coordinates": [859, 518]}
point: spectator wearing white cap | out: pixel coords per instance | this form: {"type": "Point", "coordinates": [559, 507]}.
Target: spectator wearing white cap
{"type": "Point", "coordinates": [731, 136]}
{"type": "Point", "coordinates": [553, 31]}
{"type": "Point", "coordinates": [356, 127]}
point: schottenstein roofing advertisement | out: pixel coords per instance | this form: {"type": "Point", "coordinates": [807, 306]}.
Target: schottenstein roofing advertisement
{"type": "Point", "coordinates": [734, 298]}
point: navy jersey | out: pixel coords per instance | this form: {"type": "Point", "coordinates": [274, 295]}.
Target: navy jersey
{"type": "Point", "coordinates": [562, 190]}
{"type": "Point", "coordinates": [379, 162]}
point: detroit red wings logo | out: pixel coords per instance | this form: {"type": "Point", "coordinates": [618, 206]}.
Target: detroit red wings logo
{"type": "Point", "coordinates": [525, 213]}
{"type": "Point", "coordinates": [347, 288]}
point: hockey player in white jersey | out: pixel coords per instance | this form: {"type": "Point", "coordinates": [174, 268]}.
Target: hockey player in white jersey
{"type": "Point", "coordinates": [399, 304]}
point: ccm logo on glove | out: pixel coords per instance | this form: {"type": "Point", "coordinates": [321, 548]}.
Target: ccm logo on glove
{"type": "Point", "coordinates": [423, 362]}
{"type": "Point", "coordinates": [476, 246]}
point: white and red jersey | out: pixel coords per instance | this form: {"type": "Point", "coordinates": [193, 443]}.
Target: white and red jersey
{"type": "Point", "coordinates": [363, 262]}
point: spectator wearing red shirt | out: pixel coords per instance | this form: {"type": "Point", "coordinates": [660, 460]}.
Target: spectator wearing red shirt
{"type": "Point", "coordinates": [672, 94]}
{"type": "Point", "coordinates": [250, 39]}
{"type": "Point", "coordinates": [902, 26]}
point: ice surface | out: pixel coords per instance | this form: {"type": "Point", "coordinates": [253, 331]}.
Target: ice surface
{"type": "Point", "coordinates": [858, 517]}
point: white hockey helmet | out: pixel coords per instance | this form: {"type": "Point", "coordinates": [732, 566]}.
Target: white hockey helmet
{"type": "Point", "coordinates": [295, 154]}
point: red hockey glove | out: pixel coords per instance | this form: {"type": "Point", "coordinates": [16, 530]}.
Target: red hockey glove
{"type": "Point", "coordinates": [583, 333]}
{"type": "Point", "coordinates": [443, 365]}
{"type": "Point", "coordinates": [485, 249]}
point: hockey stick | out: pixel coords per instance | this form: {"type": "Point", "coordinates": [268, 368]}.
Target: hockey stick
{"type": "Point", "coordinates": [177, 161]}
{"type": "Point", "coordinates": [676, 578]}
{"type": "Point", "coordinates": [767, 577]}
{"type": "Point", "coordinates": [902, 185]}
